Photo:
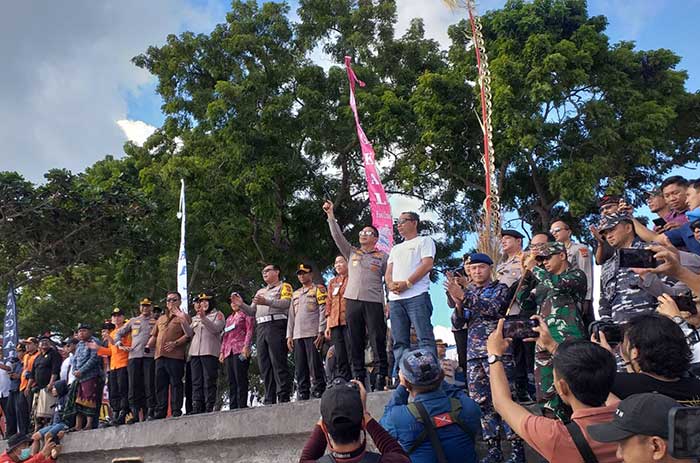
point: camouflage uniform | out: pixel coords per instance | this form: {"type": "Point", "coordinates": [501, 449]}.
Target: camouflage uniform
{"type": "Point", "coordinates": [483, 306]}
{"type": "Point", "coordinates": [622, 294]}
{"type": "Point", "coordinates": [558, 301]}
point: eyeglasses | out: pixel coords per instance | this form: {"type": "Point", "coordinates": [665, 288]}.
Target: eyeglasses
{"type": "Point", "coordinates": [543, 258]}
{"type": "Point", "coordinates": [267, 270]}
{"type": "Point", "coordinates": [172, 299]}
{"type": "Point", "coordinates": [404, 220]}
{"type": "Point", "coordinates": [366, 233]}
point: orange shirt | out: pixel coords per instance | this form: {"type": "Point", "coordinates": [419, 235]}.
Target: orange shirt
{"type": "Point", "coordinates": [117, 358]}
{"type": "Point", "coordinates": [335, 302]}
{"type": "Point", "coordinates": [28, 363]}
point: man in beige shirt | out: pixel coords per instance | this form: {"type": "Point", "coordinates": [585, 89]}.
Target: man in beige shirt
{"type": "Point", "coordinates": [170, 337]}
{"type": "Point", "coordinates": [270, 306]}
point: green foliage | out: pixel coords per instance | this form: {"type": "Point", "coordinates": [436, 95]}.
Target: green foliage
{"type": "Point", "coordinates": [261, 134]}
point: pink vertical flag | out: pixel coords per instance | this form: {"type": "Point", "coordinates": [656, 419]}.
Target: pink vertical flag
{"type": "Point", "coordinates": [378, 203]}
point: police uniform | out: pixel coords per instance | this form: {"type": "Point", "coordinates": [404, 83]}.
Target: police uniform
{"type": "Point", "coordinates": [141, 366]}
{"type": "Point", "coordinates": [204, 356]}
{"type": "Point", "coordinates": [364, 296]}
{"type": "Point", "coordinates": [483, 307]}
{"type": "Point", "coordinates": [271, 346]}
{"type": "Point", "coordinates": [307, 320]}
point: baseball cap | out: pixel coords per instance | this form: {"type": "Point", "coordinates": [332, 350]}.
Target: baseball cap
{"type": "Point", "coordinates": [145, 301]}
{"type": "Point", "coordinates": [608, 222]}
{"type": "Point", "coordinates": [608, 199]}
{"type": "Point", "coordinates": [341, 406]}
{"type": "Point", "coordinates": [116, 312]}
{"type": "Point", "coordinates": [420, 367]}
{"type": "Point", "coordinates": [645, 414]}
{"type": "Point", "coordinates": [17, 440]}
{"type": "Point", "coordinates": [30, 340]}
{"type": "Point", "coordinates": [203, 297]}
{"type": "Point", "coordinates": [550, 248]}
{"type": "Point", "coordinates": [304, 268]}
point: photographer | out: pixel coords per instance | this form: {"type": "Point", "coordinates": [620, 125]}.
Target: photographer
{"type": "Point", "coordinates": [440, 423]}
{"type": "Point", "coordinates": [657, 358]}
{"type": "Point", "coordinates": [583, 376]}
{"type": "Point", "coordinates": [640, 429]}
{"type": "Point", "coordinates": [344, 416]}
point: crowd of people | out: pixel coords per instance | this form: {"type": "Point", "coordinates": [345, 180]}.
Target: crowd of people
{"type": "Point", "coordinates": [535, 364]}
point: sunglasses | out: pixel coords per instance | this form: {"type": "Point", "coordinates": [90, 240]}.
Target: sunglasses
{"type": "Point", "coordinates": [557, 230]}
{"type": "Point", "coordinates": [366, 233]}
{"type": "Point", "coordinates": [541, 259]}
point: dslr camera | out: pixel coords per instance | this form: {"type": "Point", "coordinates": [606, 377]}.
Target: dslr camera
{"type": "Point", "coordinates": [611, 330]}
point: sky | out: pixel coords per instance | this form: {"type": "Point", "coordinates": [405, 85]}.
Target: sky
{"type": "Point", "coordinates": [69, 94]}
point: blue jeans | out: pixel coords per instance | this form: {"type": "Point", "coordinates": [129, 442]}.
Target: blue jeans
{"type": "Point", "coordinates": [52, 429]}
{"type": "Point", "coordinates": [403, 313]}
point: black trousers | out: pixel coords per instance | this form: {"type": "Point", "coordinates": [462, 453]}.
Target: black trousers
{"type": "Point", "coordinates": [366, 319]}
{"type": "Point", "coordinates": [8, 407]}
{"type": "Point", "coordinates": [307, 362]}
{"type": "Point", "coordinates": [272, 359]}
{"type": "Point", "coordinates": [118, 385]}
{"type": "Point", "coordinates": [169, 374]}
{"type": "Point", "coordinates": [141, 379]}
{"type": "Point", "coordinates": [340, 338]}
{"type": "Point", "coordinates": [524, 358]}
{"type": "Point", "coordinates": [19, 403]}
{"type": "Point", "coordinates": [237, 371]}
{"type": "Point", "coordinates": [205, 371]}
{"type": "Point", "coordinates": [462, 341]}
{"type": "Point", "coordinates": [188, 387]}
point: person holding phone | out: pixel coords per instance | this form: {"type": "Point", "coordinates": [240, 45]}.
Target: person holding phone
{"type": "Point", "coordinates": [561, 291]}
{"type": "Point", "coordinates": [235, 353]}
{"type": "Point", "coordinates": [483, 303]}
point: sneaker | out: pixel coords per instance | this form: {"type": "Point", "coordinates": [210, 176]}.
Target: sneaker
{"type": "Point", "coordinates": [494, 455]}
{"type": "Point", "coordinates": [517, 452]}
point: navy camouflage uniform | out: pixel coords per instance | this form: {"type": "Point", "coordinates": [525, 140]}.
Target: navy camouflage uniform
{"type": "Point", "coordinates": [483, 307]}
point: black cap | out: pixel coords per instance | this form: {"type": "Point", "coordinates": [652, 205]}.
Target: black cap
{"type": "Point", "coordinates": [84, 326]}
{"type": "Point", "coordinates": [514, 233]}
{"type": "Point", "coordinates": [17, 440]}
{"type": "Point", "coordinates": [640, 414]}
{"type": "Point", "coordinates": [341, 406]}
{"type": "Point", "coordinates": [116, 311]}
{"type": "Point", "coordinates": [304, 268]}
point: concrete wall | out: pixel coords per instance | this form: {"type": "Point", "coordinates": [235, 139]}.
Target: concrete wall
{"type": "Point", "coordinates": [255, 435]}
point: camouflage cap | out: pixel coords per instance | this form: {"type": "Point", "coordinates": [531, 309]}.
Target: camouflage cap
{"type": "Point", "coordinates": [420, 367]}
{"type": "Point", "coordinates": [550, 248]}
{"type": "Point", "coordinates": [608, 222]}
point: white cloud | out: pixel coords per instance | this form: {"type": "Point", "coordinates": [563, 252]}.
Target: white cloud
{"type": "Point", "coordinates": [136, 131]}
{"type": "Point", "coordinates": [67, 72]}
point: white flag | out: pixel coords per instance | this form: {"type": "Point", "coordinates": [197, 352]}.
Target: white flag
{"type": "Point", "coordinates": [182, 258]}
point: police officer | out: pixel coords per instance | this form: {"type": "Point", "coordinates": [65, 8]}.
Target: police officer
{"type": "Point", "coordinates": [509, 273]}
{"type": "Point", "coordinates": [364, 296]}
{"type": "Point", "coordinates": [483, 303]}
{"type": "Point", "coordinates": [270, 306]}
{"type": "Point", "coordinates": [207, 326]}
{"type": "Point", "coordinates": [140, 366]}
{"type": "Point", "coordinates": [305, 332]}
{"type": "Point", "coordinates": [579, 256]}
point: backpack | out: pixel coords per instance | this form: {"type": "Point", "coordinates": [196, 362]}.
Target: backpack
{"type": "Point", "coordinates": [431, 424]}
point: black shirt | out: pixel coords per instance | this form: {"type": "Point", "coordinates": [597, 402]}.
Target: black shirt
{"type": "Point", "coordinates": [686, 390]}
{"type": "Point", "coordinates": [46, 365]}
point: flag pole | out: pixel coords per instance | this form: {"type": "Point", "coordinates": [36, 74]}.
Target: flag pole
{"type": "Point", "coordinates": [182, 255]}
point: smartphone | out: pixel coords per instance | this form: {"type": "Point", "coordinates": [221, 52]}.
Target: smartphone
{"type": "Point", "coordinates": [637, 258]}
{"type": "Point", "coordinates": [613, 333]}
{"type": "Point", "coordinates": [520, 328]}
{"type": "Point", "coordinates": [659, 222]}
{"type": "Point", "coordinates": [684, 429]}
{"type": "Point", "coordinates": [685, 303]}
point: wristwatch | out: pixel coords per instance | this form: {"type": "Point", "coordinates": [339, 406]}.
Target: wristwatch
{"type": "Point", "coordinates": [494, 358]}
{"type": "Point", "coordinates": [678, 320]}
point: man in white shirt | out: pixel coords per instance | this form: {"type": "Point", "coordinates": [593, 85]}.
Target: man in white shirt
{"type": "Point", "coordinates": [408, 280]}
{"type": "Point", "coordinates": [66, 367]}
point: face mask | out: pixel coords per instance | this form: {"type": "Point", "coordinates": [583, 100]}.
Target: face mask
{"type": "Point", "coordinates": [25, 454]}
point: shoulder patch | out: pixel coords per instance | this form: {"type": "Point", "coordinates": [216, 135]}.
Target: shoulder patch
{"type": "Point", "coordinates": [287, 291]}
{"type": "Point", "coordinates": [321, 294]}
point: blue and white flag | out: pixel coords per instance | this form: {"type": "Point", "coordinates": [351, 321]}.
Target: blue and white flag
{"type": "Point", "coordinates": [10, 335]}
{"type": "Point", "coordinates": [182, 257]}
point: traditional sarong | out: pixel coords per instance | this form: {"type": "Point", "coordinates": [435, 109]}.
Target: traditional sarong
{"type": "Point", "coordinates": [86, 397]}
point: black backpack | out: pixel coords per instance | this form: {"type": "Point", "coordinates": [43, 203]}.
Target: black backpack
{"type": "Point", "coordinates": [368, 457]}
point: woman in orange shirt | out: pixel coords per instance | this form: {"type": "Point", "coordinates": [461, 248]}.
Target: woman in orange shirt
{"type": "Point", "coordinates": [336, 329]}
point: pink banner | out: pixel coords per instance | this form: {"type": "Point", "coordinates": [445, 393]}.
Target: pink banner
{"type": "Point", "coordinates": [378, 203]}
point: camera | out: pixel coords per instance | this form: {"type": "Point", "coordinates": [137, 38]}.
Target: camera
{"type": "Point", "coordinates": [685, 303]}
{"type": "Point", "coordinates": [684, 428]}
{"type": "Point", "coordinates": [520, 328]}
{"type": "Point", "coordinates": [611, 330]}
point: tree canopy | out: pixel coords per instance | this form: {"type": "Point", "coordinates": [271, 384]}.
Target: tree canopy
{"type": "Point", "coordinates": [261, 134]}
